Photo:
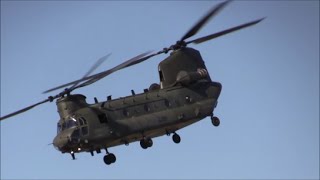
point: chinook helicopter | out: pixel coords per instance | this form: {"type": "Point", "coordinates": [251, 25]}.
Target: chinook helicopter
{"type": "Point", "coordinates": [185, 95]}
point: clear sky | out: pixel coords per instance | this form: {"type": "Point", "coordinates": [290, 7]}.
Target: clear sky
{"type": "Point", "coordinates": [269, 105]}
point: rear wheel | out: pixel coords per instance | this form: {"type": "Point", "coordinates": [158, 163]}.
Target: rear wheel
{"type": "Point", "coordinates": [149, 142]}
{"type": "Point", "coordinates": [176, 138]}
{"type": "Point", "coordinates": [112, 158]}
{"type": "Point", "coordinates": [143, 144]}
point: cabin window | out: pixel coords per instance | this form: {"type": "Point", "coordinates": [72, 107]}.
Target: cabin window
{"type": "Point", "coordinates": [181, 116]}
{"type": "Point", "coordinates": [167, 103]}
{"type": "Point", "coordinates": [126, 112]}
{"type": "Point", "coordinates": [146, 108]}
{"type": "Point", "coordinates": [103, 118]}
{"type": "Point", "coordinates": [188, 99]}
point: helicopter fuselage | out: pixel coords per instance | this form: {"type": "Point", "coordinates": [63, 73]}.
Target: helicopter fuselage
{"type": "Point", "coordinates": [184, 96]}
{"type": "Point", "coordinates": [132, 118]}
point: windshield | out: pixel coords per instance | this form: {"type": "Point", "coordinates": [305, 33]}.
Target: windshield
{"type": "Point", "coordinates": [72, 122]}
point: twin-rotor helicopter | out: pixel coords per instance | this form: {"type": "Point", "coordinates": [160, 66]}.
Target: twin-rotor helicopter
{"type": "Point", "coordinates": [185, 95]}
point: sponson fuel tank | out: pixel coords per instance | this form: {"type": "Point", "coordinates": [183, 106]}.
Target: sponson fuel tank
{"type": "Point", "coordinates": [183, 61]}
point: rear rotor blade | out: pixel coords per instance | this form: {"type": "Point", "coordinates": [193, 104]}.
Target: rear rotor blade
{"type": "Point", "coordinates": [24, 109]}
{"type": "Point", "coordinates": [94, 67]}
{"type": "Point", "coordinates": [205, 19]}
{"type": "Point", "coordinates": [221, 33]}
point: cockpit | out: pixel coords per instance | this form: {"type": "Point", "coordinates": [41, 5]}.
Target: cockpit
{"type": "Point", "coordinates": [72, 122]}
{"type": "Point", "coordinates": [70, 132]}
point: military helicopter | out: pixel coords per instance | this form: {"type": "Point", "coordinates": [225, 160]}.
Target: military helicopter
{"type": "Point", "coordinates": [185, 95]}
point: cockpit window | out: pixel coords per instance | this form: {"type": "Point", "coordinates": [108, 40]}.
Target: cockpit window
{"type": "Point", "coordinates": [82, 121]}
{"type": "Point", "coordinates": [72, 122]}
{"type": "Point", "coordinates": [75, 136]}
{"type": "Point", "coordinates": [84, 130]}
{"type": "Point", "coordinates": [59, 128]}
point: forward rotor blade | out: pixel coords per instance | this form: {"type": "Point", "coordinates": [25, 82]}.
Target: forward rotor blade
{"type": "Point", "coordinates": [130, 62]}
{"type": "Point", "coordinates": [24, 109]}
{"type": "Point", "coordinates": [74, 83]}
{"type": "Point", "coordinates": [107, 72]}
{"type": "Point", "coordinates": [221, 33]}
{"type": "Point", "coordinates": [94, 67]}
{"type": "Point", "coordinates": [138, 59]}
{"type": "Point", "coordinates": [205, 19]}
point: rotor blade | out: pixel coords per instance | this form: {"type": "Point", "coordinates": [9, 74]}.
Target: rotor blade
{"type": "Point", "coordinates": [129, 62]}
{"type": "Point", "coordinates": [138, 59]}
{"type": "Point", "coordinates": [221, 33]}
{"type": "Point", "coordinates": [93, 76]}
{"type": "Point", "coordinates": [74, 83]}
{"type": "Point", "coordinates": [205, 19]}
{"type": "Point", "coordinates": [94, 67]}
{"type": "Point", "coordinates": [24, 109]}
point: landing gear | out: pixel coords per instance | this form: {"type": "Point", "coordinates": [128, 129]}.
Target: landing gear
{"type": "Point", "coordinates": [72, 155]}
{"type": "Point", "coordinates": [146, 143]}
{"type": "Point", "coordinates": [215, 120]}
{"type": "Point", "coordinates": [109, 158]}
{"type": "Point", "coordinates": [176, 138]}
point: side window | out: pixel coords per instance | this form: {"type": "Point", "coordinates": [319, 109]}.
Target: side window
{"type": "Point", "coordinates": [147, 107]}
{"type": "Point", "coordinates": [103, 118]}
{"type": "Point", "coordinates": [126, 112]}
{"type": "Point", "coordinates": [84, 130]}
{"type": "Point", "coordinates": [83, 126]}
{"type": "Point", "coordinates": [167, 103]}
{"type": "Point", "coordinates": [82, 121]}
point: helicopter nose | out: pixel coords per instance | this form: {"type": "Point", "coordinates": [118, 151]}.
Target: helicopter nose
{"type": "Point", "coordinates": [66, 140]}
{"type": "Point", "coordinates": [59, 142]}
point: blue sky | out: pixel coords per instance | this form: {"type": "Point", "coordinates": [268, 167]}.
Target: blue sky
{"type": "Point", "coordinates": [269, 105]}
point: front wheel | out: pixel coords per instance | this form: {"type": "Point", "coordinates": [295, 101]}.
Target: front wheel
{"type": "Point", "coordinates": [215, 121]}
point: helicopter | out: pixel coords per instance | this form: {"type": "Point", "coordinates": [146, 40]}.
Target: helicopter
{"type": "Point", "coordinates": [184, 95]}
